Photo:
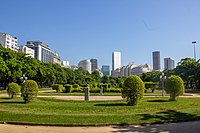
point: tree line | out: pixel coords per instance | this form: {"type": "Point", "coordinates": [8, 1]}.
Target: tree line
{"type": "Point", "coordinates": [15, 64]}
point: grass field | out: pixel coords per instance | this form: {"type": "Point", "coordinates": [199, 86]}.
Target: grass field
{"type": "Point", "coordinates": [54, 111]}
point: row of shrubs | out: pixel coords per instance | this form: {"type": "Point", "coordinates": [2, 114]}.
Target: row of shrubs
{"type": "Point", "coordinates": [76, 88]}
{"type": "Point", "coordinates": [28, 90]}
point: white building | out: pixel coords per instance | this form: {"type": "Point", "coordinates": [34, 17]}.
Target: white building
{"type": "Point", "coordinates": [131, 69]}
{"type": "Point", "coordinates": [7, 41]}
{"type": "Point", "coordinates": [42, 52]}
{"type": "Point", "coordinates": [169, 63]}
{"type": "Point", "coordinates": [85, 64]}
{"type": "Point", "coordinates": [139, 70]}
{"type": "Point", "coordinates": [26, 50]}
{"type": "Point", "coordinates": [65, 63]}
{"type": "Point", "coordinates": [116, 60]}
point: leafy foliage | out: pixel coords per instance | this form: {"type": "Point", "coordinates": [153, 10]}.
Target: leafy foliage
{"type": "Point", "coordinates": [58, 87]}
{"type": "Point", "coordinates": [174, 87]}
{"type": "Point", "coordinates": [29, 90]}
{"type": "Point", "coordinates": [13, 89]}
{"type": "Point", "coordinates": [133, 89]}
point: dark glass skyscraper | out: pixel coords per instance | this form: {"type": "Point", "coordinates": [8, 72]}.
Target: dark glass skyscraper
{"type": "Point", "coordinates": [94, 64]}
{"type": "Point", "coordinates": [156, 60]}
{"type": "Point", "coordinates": [105, 70]}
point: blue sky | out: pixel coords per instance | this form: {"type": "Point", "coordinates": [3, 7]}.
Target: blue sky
{"type": "Point", "coordinates": [85, 29]}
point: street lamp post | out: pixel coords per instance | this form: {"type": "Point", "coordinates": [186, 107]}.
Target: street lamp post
{"type": "Point", "coordinates": [162, 79]}
{"type": "Point", "coordinates": [194, 50]}
{"type": "Point", "coordinates": [23, 78]}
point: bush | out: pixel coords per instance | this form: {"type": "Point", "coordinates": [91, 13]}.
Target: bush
{"type": "Point", "coordinates": [94, 90]}
{"type": "Point", "coordinates": [75, 86]}
{"type": "Point", "coordinates": [68, 88]}
{"type": "Point", "coordinates": [13, 89]}
{"type": "Point", "coordinates": [114, 90]}
{"type": "Point", "coordinates": [174, 87]}
{"type": "Point", "coordinates": [77, 90]}
{"type": "Point", "coordinates": [151, 85]}
{"type": "Point", "coordinates": [29, 90]}
{"type": "Point", "coordinates": [58, 87]}
{"type": "Point", "coordinates": [133, 89]}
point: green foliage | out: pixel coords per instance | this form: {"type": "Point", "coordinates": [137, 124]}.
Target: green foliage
{"type": "Point", "coordinates": [94, 90]}
{"type": "Point", "coordinates": [151, 85]}
{"type": "Point", "coordinates": [75, 86]}
{"type": "Point", "coordinates": [114, 90]}
{"type": "Point", "coordinates": [174, 87]}
{"type": "Point", "coordinates": [29, 90]}
{"type": "Point", "coordinates": [133, 89]}
{"type": "Point", "coordinates": [189, 70]}
{"type": "Point", "coordinates": [68, 88]}
{"type": "Point", "coordinates": [80, 89]}
{"type": "Point", "coordinates": [153, 76]}
{"type": "Point", "coordinates": [58, 87]}
{"type": "Point", "coordinates": [13, 89]}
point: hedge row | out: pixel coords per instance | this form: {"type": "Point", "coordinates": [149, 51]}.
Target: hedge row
{"type": "Point", "coordinates": [76, 88]}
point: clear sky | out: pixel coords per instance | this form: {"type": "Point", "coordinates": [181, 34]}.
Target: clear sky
{"type": "Point", "coordinates": [85, 29]}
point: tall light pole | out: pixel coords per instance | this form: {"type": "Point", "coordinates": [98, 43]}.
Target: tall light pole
{"type": "Point", "coordinates": [194, 50]}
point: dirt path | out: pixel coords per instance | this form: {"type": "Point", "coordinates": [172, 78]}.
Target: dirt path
{"type": "Point", "coordinates": [184, 127]}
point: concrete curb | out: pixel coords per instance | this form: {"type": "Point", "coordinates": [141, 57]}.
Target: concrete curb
{"type": "Point", "coordinates": [101, 125]}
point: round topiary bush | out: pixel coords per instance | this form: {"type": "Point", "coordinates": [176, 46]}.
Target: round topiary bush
{"type": "Point", "coordinates": [174, 87]}
{"type": "Point", "coordinates": [29, 90]}
{"type": "Point", "coordinates": [13, 89]}
{"type": "Point", "coordinates": [133, 89]}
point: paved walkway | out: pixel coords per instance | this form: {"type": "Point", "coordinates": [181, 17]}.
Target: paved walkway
{"type": "Point", "coordinates": [184, 127]}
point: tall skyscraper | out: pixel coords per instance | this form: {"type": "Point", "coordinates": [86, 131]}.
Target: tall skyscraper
{"type": "Point", "coordinates": [105, 70]}
{"type": "Point", "coordinates": [94, 64]}
{"type": "Point", "coordinates": [169, 63]}
{"type": "Point", "coordinates": [116, 60]}
{"type": "Point", "coordinates": [156, 61]}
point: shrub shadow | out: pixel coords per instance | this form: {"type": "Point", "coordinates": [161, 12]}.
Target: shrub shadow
{"type": "Point", "coordinates": [158, 100]}
{"type": "Point", "coordinates": [5, 98]}
{"type": "Point", "coordinates": [111, 104]}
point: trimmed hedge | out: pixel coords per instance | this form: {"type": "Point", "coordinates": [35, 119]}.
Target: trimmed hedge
{"type": "Point", "coordinates": [114, 90]}
{"type": "Point", "coordinates": [133, 89]}
{"type": "Point", "coordinates": [13, 89]}
{"type": "Point", "coordinates": [58, 87]}
{"type": "Point", "coordinates": [68, 88]}
{"type": "Point", "coordinates": [29, 90]}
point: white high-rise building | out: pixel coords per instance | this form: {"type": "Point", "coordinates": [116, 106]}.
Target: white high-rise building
{"type": "Point", "coordinates": [169, 63]}
{"type": "Point", "coordinates": [116, 62]}
{"type": "Point", "coordinates": [42, 52]}
{"type": "Point", "coordinates": [85, 64]}
{"type": "Point", "coordinates": [7, 41]}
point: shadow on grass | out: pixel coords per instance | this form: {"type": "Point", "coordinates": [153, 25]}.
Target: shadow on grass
{"type": "Point", "coordinates": [111, 104]}
{"type": "Point", "coordinates": [5, 98]}
{"type": "Point", "coordinates": [158, 100]}
{"type": "Point", "coordinates": [169, 115]}
{"type": "Point", "coordinates": [12, 102]}
{"type": "Point", "coordinates": [156, 128]}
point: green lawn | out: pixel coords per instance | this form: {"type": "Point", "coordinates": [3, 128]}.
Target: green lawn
{"type": "Point", "coordinates": [53, 111]}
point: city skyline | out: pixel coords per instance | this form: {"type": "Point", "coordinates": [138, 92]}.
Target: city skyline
{"type": "Point", "coordinates": [79, 30]}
